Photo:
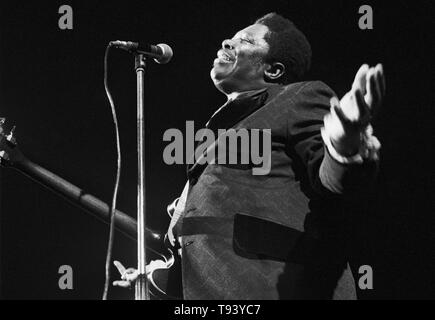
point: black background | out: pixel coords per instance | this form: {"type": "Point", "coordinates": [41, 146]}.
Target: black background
{"type": "Point", "coordinates": [51, 87]}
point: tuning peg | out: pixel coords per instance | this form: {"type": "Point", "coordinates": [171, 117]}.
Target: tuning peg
{"type": "Point", "coordinates": [10, 137]}
{"type": "Point", "coordinates": [2, 121]}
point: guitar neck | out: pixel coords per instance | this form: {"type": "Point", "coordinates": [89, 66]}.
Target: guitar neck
{"type": "Point", "coordinates": [89, 203]}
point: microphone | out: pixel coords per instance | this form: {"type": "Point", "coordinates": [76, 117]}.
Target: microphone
{"type": "Point", "coordinates": [162, 53]}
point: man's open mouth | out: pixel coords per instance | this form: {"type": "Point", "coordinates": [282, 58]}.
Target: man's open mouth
{"type": "Point", "coordinates": [224, 57]}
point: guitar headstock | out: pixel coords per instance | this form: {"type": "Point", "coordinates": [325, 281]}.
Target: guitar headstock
{"type": "Point", "coordinates": [9, 152]}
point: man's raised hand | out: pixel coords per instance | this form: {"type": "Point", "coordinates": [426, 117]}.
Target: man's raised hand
{"type": "Point", "coordinates": [350, 116]}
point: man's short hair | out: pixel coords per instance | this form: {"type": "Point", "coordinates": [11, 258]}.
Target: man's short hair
{"type": "Point", "coordinates": [287, 45]}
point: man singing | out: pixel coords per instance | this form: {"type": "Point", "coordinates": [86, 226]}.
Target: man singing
{"type": "Point", "coordinates": [282, 235]}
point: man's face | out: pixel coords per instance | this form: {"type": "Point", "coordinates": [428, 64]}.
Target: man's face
{"type": "Point", "coordinates": [239, 64]}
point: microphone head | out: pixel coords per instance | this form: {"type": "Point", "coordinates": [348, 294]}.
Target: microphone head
{"type": "Point", "coordinates": [166, 55]}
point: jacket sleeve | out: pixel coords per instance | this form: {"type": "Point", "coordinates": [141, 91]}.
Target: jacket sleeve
{"type": "Point", "coordinates": [325, 175]}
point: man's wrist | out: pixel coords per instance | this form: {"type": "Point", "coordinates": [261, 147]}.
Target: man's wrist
{"type": "Point", "coordinates": [368, 149]}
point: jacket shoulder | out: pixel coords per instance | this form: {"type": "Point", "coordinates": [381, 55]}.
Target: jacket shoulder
{"type": "Point", "coordinates": [307, 88]}
{"type": "Point", "coordinates": [306, 100]}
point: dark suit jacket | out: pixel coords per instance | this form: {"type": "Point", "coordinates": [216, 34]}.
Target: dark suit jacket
{"type": "Point", "coordinates": [279, 236]}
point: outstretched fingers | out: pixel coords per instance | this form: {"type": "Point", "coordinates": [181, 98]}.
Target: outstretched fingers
{"type": "Point", "coordinates": [376, 88]}
{"type": "Point", "coordinates": [380, 75]}
{"type": "Point", "coordinates": [364, 110]}
{"type": "Point", "coordinates": [373, 96]}
{"type": "Point", "coordinates": [360, 78]}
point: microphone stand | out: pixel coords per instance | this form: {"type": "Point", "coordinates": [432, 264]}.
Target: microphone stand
{"type": "Point", "coordinates": [142, 290]}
